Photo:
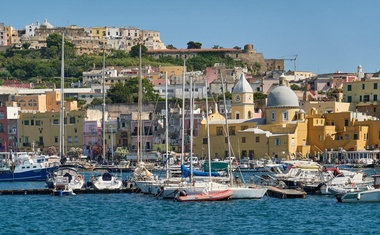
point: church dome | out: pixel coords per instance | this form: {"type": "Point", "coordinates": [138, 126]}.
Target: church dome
{"type": "Point", "coordinates": [282, 96]}
{"type": "Point", "coordinates": [242, 86]}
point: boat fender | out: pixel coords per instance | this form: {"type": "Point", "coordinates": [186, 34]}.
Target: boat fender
{"type": "Point", "coordinates": [78, 178]}
{"type": "Point", "coordinates": [358, 197]}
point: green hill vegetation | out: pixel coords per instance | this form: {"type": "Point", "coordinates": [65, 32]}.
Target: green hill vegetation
{"type": "Point", "coordinates": [44, 65]}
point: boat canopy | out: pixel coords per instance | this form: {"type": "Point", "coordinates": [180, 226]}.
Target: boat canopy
{"type": "Point", "coordinates": [185, 172]}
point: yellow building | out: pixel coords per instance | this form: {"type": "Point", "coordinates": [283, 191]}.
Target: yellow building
{"type": "Point", "coordinates": [365, 95]}
{"type": "Point", "coordinates": [176, 71]}
{"type": "Point", "coordinates": [325, 131]}
{"type": "Point", "coordinates": [41, 130]}
{"type": "Point", "coordinates": [50, 101]}
{"type": "Point", "coordinates": [98, 32]}
{"type": "Point", "coordinates": [282, 133]}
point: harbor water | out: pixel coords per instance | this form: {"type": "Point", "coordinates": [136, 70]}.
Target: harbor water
{"type": "Point", "coordinates": [144, 214]}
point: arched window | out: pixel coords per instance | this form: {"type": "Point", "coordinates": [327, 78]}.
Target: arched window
{"type": "Point", "coordinates": [237, 115]}
{"type": "Point", "coordinates": [249, 114]}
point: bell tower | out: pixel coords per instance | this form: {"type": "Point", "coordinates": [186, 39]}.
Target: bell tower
{"type": "Point", "coordinates": [243, 106]}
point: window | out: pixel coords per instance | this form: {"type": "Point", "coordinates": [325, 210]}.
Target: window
{"type": "Point", "coordinates": [1, 127]}
{"type": "Point", "coordinates": [320, 138]}
{"type": "Point", "coordinates": [55, 121]}
{"type": "Point", "coordinates": [349, 87]}
{"type": "Point", "coordinates": [231, 130]}
{"type": "Point", "coordinates": [205, 141]}
{"type": "Point", "coordinates": [69, 139]}
{"type": "Point", "coordinates": [375, 86]}
{"type": "Point", "coordinates": [226, 140]}
{"type": "Point", "coordinates": [285, 116]}
{"type": "Point", "coordinates": [55, 139]}
{"type": "Point", "coordinates": [219, 131]}
{"type": "Point", "coordinates": [244, 127]}
{"type": "Point", "coordinates": [243, 140]}
{"type": "Point", "coordinates": [26, 122]}
{"type": "Point", "coordinates": [257, 139]}
{"type": "Point", "coordinates": [38, 123]}
{"type": "Point", "coordinates": [366, 98]}
{"type": "Point", "coordinates": [76, 139]}
{"type": "Point", "coordinates": [349, 99]}
{"type": "Point", "coordinates": [363, 86]}
{"type": "Point", "coordinates": [277, 142]}
{"type": "Point", "coordinates": [375, 97]}
{"type": "Point", "coordinates": [272, 116]}
{"type": "Point", "coordinates": [72, 120]}
{"type": "Point", "coordinates": [355, 136]}
{"type": "Point", "coordinates": [249, 114]}
{"type": "Point", "coordinates": [293, 142]}
{"type": "Point", "coordinates": [2, 115]}
{"type": "Point", "coordinates": [346, 137]}
{"type": "Point", "coordinates": [345, 122]}
{"type": "Point", "coordinates": [237, 115]}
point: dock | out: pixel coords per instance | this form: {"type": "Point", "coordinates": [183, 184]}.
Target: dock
{"type": "Point", "coordinates": [77, 191]}
{"type": "Point", "coordinates": [285, 193]}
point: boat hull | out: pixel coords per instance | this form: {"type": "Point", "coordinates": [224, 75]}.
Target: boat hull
{"type": "Point", "coordinates": [217, 196]}
{"type": "Point", "coordinates": [365, 196]}
{"type": "Point", "coordinates": [32, 175]}
{"type": "Point", "coordinates": [247, 193]}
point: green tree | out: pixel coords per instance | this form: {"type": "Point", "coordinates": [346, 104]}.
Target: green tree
{"type": "Point", "coordinates": [170, 46]}
{"type": "Point", "coordinates": [237, 47]}
{"type": "Point", "coordinates": [135, 51]}
{"type": "Point", "coordinates": [295, 87]}
{"type": "Point", "coordinates": [128, 92]}
{"type": "Point", "coordinates": [259, 95]}
{"type": "Point", "coordinates": [194, 45]}
{"type": "Point", "coordinates": [96, 101]}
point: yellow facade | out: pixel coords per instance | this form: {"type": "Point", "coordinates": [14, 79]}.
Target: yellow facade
{"type": "Point", "coordinates": [98, 32]}
{"type": "Point", "coordinates": [243, 106]}
{"type": "Point", "coordinates": [176, 71]}
{"type": "Point", "coordinates": [42, 130]}
{"type": "Point", "coordinates": [31, 102]}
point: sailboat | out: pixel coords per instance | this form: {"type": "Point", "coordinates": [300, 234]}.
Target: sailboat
{"type": "Point", "coordinates": [64, 180]}
{"type": "Point", "coordinates": [241, 191]}
{"type": "Point", "coordinates": [209, 193]}
{"type": "Point", "coordinates": [142, 177]}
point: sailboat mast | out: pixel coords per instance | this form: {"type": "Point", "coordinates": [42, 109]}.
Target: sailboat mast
{"type": "Point", "coordinates": [227, 131]}
{"type": "Point", "coordinates": [183, 113]}
{"type": "Point", "coordinates": [167, 125]}
{"type": "Point", "coordinates": [191, 127]}
{"type": "Point", "coordinates": [208, 132]}
{"type": "Point", "coordinates": [104, 106]}
{"type": "Point", "coordinates": [139, 110]}
{"type": "Point", "coordinates": [62, 114]}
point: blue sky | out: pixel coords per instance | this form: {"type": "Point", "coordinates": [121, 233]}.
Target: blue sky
{"type": "Point", "coordinates": [327, 35]}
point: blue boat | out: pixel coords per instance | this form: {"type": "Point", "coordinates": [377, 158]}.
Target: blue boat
{"type": "Point", "coordinates": [27, 168]}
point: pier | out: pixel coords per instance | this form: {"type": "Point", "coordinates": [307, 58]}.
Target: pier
{"type": "Point", "coordinates": [285, 193]}
{"type": "Point", "coordinates": [77, 191]}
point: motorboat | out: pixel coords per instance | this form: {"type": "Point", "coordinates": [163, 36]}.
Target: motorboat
{"type": "Point", "coordinates": [346, 181]}
{"type": "Point", "coordinates": [62, 186]}
{"type": "Point", "coordinates": [76, 180]}
{"type": "Point", "coordinates": [370, 195]}
{"type": "Point", "coordinates": [102, 178]}
{"type": "Point", "coordinates": [182, 196]}
{"type": "Point", "coordinates": [27, 167]}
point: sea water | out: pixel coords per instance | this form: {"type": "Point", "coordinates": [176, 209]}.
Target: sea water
{"type": "Point", "coordinates": [145, 214]}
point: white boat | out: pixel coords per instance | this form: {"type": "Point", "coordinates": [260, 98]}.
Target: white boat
{"type": "Point", "coordinates": [346, 181]}
{"type": "Point", "coordinates": [102, 178]}
{"type": "Point", "coordinates": [370, 195]}
{"type": "Point", "coordinates": [76, 180]}
{"type": "Point", "coordinates": [62, 186]}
